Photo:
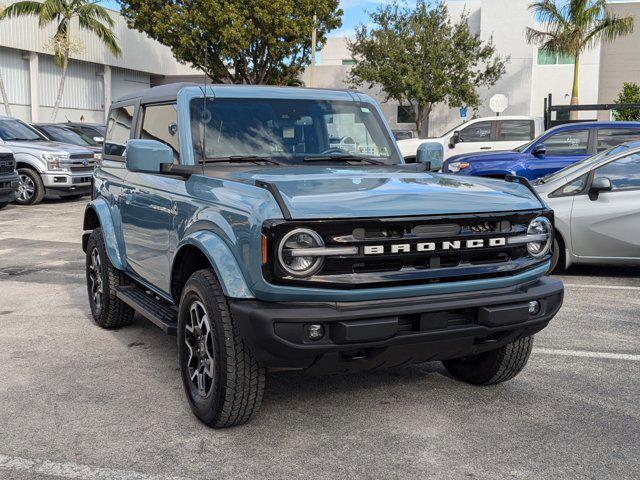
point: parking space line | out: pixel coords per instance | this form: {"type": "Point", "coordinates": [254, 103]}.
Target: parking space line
{"type": "Point", "coordinates": [588, 354]}
{"type": "Point", "coordinates": [605, 287]}
{"type": "Point", "coordinates": [73, 470]}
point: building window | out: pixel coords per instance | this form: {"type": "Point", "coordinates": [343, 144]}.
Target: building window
{"type": "Point", "coordinates": [545, 57]}
{"type": "Point", "coordinates": [405, 114]}
{"type": "Point", "coordinates": [349, 61]}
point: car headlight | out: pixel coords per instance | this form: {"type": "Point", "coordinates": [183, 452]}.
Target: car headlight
{"type": "Point", "coordinates": [54, 160]}
{"type": "Point", "coordinates": [291, 252]}
{"type": "Point", "coordinates": [455, 167]}
{"type": "Point", "coordinates": [540, 231]}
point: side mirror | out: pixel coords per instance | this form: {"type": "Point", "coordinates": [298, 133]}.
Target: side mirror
{"type": "Point", "coordinates": [539, 151]}
{"type": "Point", "coordinates": [455, 139]}
{"type": "Point", "coordinates": [147, 156]}
{"type": "Point", "coordinates": [431, 154]}
{"type": "Point", "coordinates": [599, 184]}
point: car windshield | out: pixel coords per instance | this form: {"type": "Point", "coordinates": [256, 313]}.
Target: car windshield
{"type": "Point", "coordinates": [568, 170]}
{"type": "Point", "coordinates": [289, 131]}
{"type": "Point", "coordinates": [62, 134]}
{"type": "Point", "coordinates": [14, 130]}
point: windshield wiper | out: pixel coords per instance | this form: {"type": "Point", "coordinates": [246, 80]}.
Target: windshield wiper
{"type": "Point", "coordinates": [343, 158]}
{"type": "Point", "coordinates": [241, 158]}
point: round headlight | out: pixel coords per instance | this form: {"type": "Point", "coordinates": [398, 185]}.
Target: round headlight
{"type": "Point", "coordinates": [291, 252]}
{"type": "Point", "coordinates": [540, 227]}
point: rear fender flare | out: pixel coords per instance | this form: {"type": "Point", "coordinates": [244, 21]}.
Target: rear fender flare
{"type": "Point", "coordinates": [100, 209]}
{"type": "Point", "coordinates": [221, 259]}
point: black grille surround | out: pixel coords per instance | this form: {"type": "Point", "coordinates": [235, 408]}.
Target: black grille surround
{"type": "Point", "coordinates": [387, 269]}
{"type": "Point", "coordinates": [7, 163]}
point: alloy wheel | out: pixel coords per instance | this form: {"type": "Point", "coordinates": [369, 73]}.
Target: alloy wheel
{"type": "Point", "coordinates": [26, 188]}
{"type": "Point", "coordinates": [95, 277]}
{"type": "Point", "coordinates": [199, 341]}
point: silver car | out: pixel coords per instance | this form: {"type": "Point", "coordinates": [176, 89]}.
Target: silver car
{"type": "Point", "coordinates": [597, 208]}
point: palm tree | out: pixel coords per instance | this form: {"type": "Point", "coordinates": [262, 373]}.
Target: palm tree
{"type": "Point", "coordinates": [572, 28]}
{"type": "Point", "coordinates": [91, 17]}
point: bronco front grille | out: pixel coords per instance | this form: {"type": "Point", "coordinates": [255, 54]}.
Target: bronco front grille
{"type": "Point", "coordinates": [411, 250]}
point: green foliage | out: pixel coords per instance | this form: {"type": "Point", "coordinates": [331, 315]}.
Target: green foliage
{"type": "Point", "coordinates": [573, 26]}
{"type": "Point", "coordinates": [421, 58]}
{"type": "Point", "coordinates": [630, 94]}
{"type": "Point", "coordinates": [238, 41]}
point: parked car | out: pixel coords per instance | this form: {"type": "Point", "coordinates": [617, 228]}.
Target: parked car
{"type": "Point", "coordinates": [403, 134]}
{"type": "Point", "coordinates": [241, 229]}
{"type": "Point", "coordinates": [597, 208]}
{"type": "Point", "coordinates": [93, 130]}
{"type": "Point", "coordinates": [45, 166]}
{"type": "Point", "coordinates": [62, 133]}
{"type": "Point", "coordinates": [555, 149]}
{"type": "Point", "coordinates": [480, 134]}
{"type": "Point", "coordinates": [8, 177]}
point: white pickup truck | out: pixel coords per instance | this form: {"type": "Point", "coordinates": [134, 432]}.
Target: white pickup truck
{"type": "Point", "coordinates": [480, 134]}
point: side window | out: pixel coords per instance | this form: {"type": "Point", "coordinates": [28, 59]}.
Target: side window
{"type": "Point", "coordinates": [478, 132]}
{"type": "Point", "coordinates": [574, 142]}
{"type": "Point", "coordinates": [610, 137]}
{"type": "Point", "coordinates": [160, 122]}
{"type": "Point", "coordinates": [624, 173]}
{"type": "Point", "coordinates": [515, 130]}
{"type": "Point", "coordinates": [118, 130]}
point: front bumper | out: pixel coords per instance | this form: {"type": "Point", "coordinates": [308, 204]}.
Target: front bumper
{"type": "Point", "coordinates": [385, 333]}
{"type": "Point", "coordinates": [71, 182]}
{"type": "Point", "coordinates": [8, 187]}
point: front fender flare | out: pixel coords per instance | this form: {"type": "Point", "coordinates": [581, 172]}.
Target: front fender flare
{"type": "Point", "coordinates": [223, 262]}
{"type": "Point", "coordinates": [31, 160]}
{"type": "Point", "coordinates": [114, 250]}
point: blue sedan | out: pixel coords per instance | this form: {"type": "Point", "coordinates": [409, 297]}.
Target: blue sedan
{"type": "Point", "coordinates": [553, 150]}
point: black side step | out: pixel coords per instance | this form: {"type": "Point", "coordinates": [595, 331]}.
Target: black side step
{"type": "Point", "coordinates": [146, 303]}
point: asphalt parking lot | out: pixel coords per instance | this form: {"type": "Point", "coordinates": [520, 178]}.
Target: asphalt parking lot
{"type": "Point", "coordinates": [80, 402]}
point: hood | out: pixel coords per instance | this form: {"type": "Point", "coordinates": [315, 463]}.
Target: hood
{"type": "Point", "coordinates": [314, 192]}
{"type": "Point", "coordinates": [485, 156]}
{"type": "Point", "coordinates": [37, 148]}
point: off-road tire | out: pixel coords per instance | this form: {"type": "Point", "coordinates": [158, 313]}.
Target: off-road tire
{"type": "Point", "coordinates": [113, 312]}
{"type": "Point", "coordinates": [3, 204]}
{"type": "Point", "coordinates": [494, 366]}
{"type": "Point", "coordinates": [39, 190]}
{"type": "Point", "coordinates": [236, 390]}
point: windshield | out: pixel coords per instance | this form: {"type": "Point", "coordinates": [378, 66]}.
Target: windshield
{"type": "Point", "coordinates": [14, 130]}
{"type": "Point", "coordinates": [289, 131]}
{"type": "Point", "coordinates": [579, 164]}
{"type": "Point", "coordinates": [61, 134]}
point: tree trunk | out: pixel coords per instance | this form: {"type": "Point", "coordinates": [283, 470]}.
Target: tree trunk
{"type": "Point", "coordinates": [65, 66]}
{"type": "Point", "coordinates": [574, 90]}
{"type": "Point", "coordinates": [5, 98]}
{"type": "Point", "coordinates": [422, 121]}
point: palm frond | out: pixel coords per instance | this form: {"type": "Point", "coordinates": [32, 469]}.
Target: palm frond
{"type": "Point", "coordinates": [92, 10]}
{"type": "Point", "coordinates": [52, 10]}
{"type": "Point", "coordinates": [20, 9]}
{"type": "Point", "coordinates": [104, 33]}
{"type": "Point", "coordinates": [610, 28]}
{"type": "Point", "coordinates": [548, 13]}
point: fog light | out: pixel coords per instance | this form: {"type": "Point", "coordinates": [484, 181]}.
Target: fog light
{"type": "Point", "coordinates": [315, 332]}
{"type": "Point", "coordinates": [534, 307]}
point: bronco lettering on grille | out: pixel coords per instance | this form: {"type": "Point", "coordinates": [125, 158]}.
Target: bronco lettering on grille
{"type": "Point", "coordinates": [446, 245]}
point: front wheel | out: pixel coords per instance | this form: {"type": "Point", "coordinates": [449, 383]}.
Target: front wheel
{"type": "Point", "coordinates": [494, 366]}
{"type": "Point", "coordinates": [30, 187]}
{"type": "Point", "coordinates": [223, 381]}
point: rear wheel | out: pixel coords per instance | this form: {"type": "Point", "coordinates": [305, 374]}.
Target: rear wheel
{"type": "Point", "coordinates": [494, 366]}
{"type": "Point", "coordinates": [107, 309]}
{"type": "Point", "coordinates": [223, 381]}
{"type": "Point", "coordinates": [30, 187]}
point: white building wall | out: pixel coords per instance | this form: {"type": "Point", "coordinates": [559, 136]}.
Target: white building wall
{"type": "Point", "coordinates": [15, 75]}
{"type": "Point", "coordinates": [124, 82]}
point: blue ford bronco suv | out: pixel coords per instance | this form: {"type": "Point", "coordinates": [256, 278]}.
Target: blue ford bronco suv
{"type": "Point", "coordinates": [279, 228]}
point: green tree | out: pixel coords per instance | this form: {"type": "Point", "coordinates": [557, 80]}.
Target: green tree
{"type": "Point", "coordinates": [572, 28]}
{"type": "Point", "coordinates": [630, 94]}
{"type": "Point", "coordinates": [61, 13]}
{"type": "Point", "coordinates": [420, 58]}
{"type": "Point", "coordinates": [238, 41]}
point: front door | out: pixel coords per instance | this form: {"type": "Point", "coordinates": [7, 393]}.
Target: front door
{"type": "Point", "coordinates": [609, 227]}
{"type": "Point", "coordinates": [476, 137]}
{"type": "Point", "coordinates": [563, 149]}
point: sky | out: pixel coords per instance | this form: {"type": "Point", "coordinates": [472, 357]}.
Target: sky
{"type": "Point", "coordinates": [355, 13]}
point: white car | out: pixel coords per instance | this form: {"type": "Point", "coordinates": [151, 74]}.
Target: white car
{"type": "Point", "coordinates": [480, 134]}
